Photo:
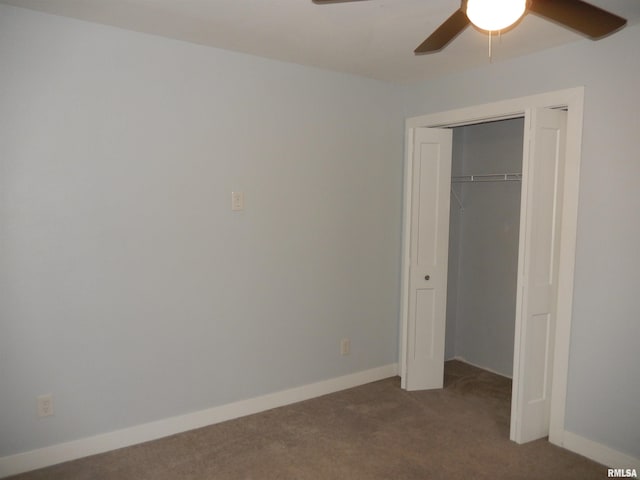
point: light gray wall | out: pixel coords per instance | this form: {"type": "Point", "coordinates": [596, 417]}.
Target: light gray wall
{"type": "Point", "coordinates": [128, 288]}
{"type": "Point", "coordinates": [455, 217]}
{"type": "Point", "coordinates": [604, 371]}
{"type": "Point", "coordinates": [483, 245]}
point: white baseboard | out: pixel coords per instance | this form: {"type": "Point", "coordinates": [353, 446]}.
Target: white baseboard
{"type": "Point", "coordinates": [63, 452]}
{"type": "Point", "coordinates": [598, 452]}
{"type": "Point", "coordinates": [464, 360]}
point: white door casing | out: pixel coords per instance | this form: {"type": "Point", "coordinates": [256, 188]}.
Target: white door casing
{"type": "Point", "coordinates": [429, 244]}
{"type": "Point", "coordinates": [571, 99]}
{"type": "Point", "coordinates": [543, 164]}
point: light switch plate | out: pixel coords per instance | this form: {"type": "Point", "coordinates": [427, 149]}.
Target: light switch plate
{"type": "Point", "coordinates": [237, 201]}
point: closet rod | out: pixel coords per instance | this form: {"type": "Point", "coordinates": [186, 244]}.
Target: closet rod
{"type": "Point", "coordinates": [487, 177]}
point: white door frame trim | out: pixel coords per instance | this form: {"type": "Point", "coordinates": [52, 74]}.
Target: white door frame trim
{"type": "Point", "coordinates": [573, 99]}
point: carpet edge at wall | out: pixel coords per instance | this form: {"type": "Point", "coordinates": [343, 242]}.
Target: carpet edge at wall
{"type": "Point", "coordinates": [63, 452]}
{"type": "Point", "coordinates": [598, 452]}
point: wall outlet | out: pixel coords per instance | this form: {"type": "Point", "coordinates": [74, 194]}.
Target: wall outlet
{"type": "Point", "coordinates": [45, 405]}
{"type": "Point", "coordinates": [345, 346]}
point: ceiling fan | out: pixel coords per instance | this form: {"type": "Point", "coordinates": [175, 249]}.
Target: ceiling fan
{"type": "Point", "coordinates": [499, 15]}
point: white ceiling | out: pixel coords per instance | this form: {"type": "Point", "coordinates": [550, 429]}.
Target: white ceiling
{"type": "Point", "coordinates": [373, 38]}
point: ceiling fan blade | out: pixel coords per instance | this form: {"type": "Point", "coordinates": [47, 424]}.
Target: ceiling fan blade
{"type": "Point", "coordinates": [578, 15]}
{"type": "Point", "coordinates": [446, 32]}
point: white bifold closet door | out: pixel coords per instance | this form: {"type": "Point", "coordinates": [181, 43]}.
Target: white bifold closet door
{"type": "Point", "coordinates": [429, 246]}
{"type": "Point", "coordinates": [538, 282]}
{"type": "Point", "coordinates": [537, 266]}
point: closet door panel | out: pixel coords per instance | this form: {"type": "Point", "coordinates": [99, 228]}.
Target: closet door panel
{"type": "Point", "coordinates": [535, 335]}
{"type": "Point", "coordinates": [429, 245]}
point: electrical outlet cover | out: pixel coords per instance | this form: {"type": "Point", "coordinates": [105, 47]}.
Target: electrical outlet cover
{"type": "Point", "coordinates": [45, 405]}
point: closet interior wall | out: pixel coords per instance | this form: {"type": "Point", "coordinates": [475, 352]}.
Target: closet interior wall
{"type": "Point", "coordinates": [483, 245]}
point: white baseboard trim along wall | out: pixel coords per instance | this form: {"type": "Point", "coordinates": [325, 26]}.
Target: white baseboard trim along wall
{"type": "Point", "coordinates": [487, 369]}
{"type": "Point", "coordinates": [63, 452]}
{"type": "Point", "coordinates": [598, 452]}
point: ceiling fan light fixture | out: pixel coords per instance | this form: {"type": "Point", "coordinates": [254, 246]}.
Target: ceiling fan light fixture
{"type": "Point", "coordinates": [495, 15]}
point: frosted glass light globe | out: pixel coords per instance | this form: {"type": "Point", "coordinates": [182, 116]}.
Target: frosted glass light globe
{"type": "Point", "coordinates": [494, 15]}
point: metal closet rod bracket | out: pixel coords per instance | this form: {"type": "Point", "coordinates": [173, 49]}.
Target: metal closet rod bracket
{"type": "Point", "coordinates": [455, 195]}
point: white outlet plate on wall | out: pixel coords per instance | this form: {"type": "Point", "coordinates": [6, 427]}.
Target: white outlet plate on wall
{"type": "Point", "coordinates": [345, 346]}
{"type": "Point", "coordinates": [45, 405]}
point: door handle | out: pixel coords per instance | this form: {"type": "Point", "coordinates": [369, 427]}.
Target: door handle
{"type": "Point", "coordinates": [427, 277]}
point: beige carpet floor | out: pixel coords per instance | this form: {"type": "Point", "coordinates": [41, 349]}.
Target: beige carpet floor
{"type": "Point", "coordinates": [376, 431]}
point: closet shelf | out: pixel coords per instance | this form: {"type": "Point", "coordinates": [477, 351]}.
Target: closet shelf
{"type": "Point", "coordinates": [487, 177]}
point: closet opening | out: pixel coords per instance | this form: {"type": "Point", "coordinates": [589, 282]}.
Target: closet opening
{"type": "Point", "coordinates": [484, 228]}
{"type": "Point", "coordinates": [549, 185]}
